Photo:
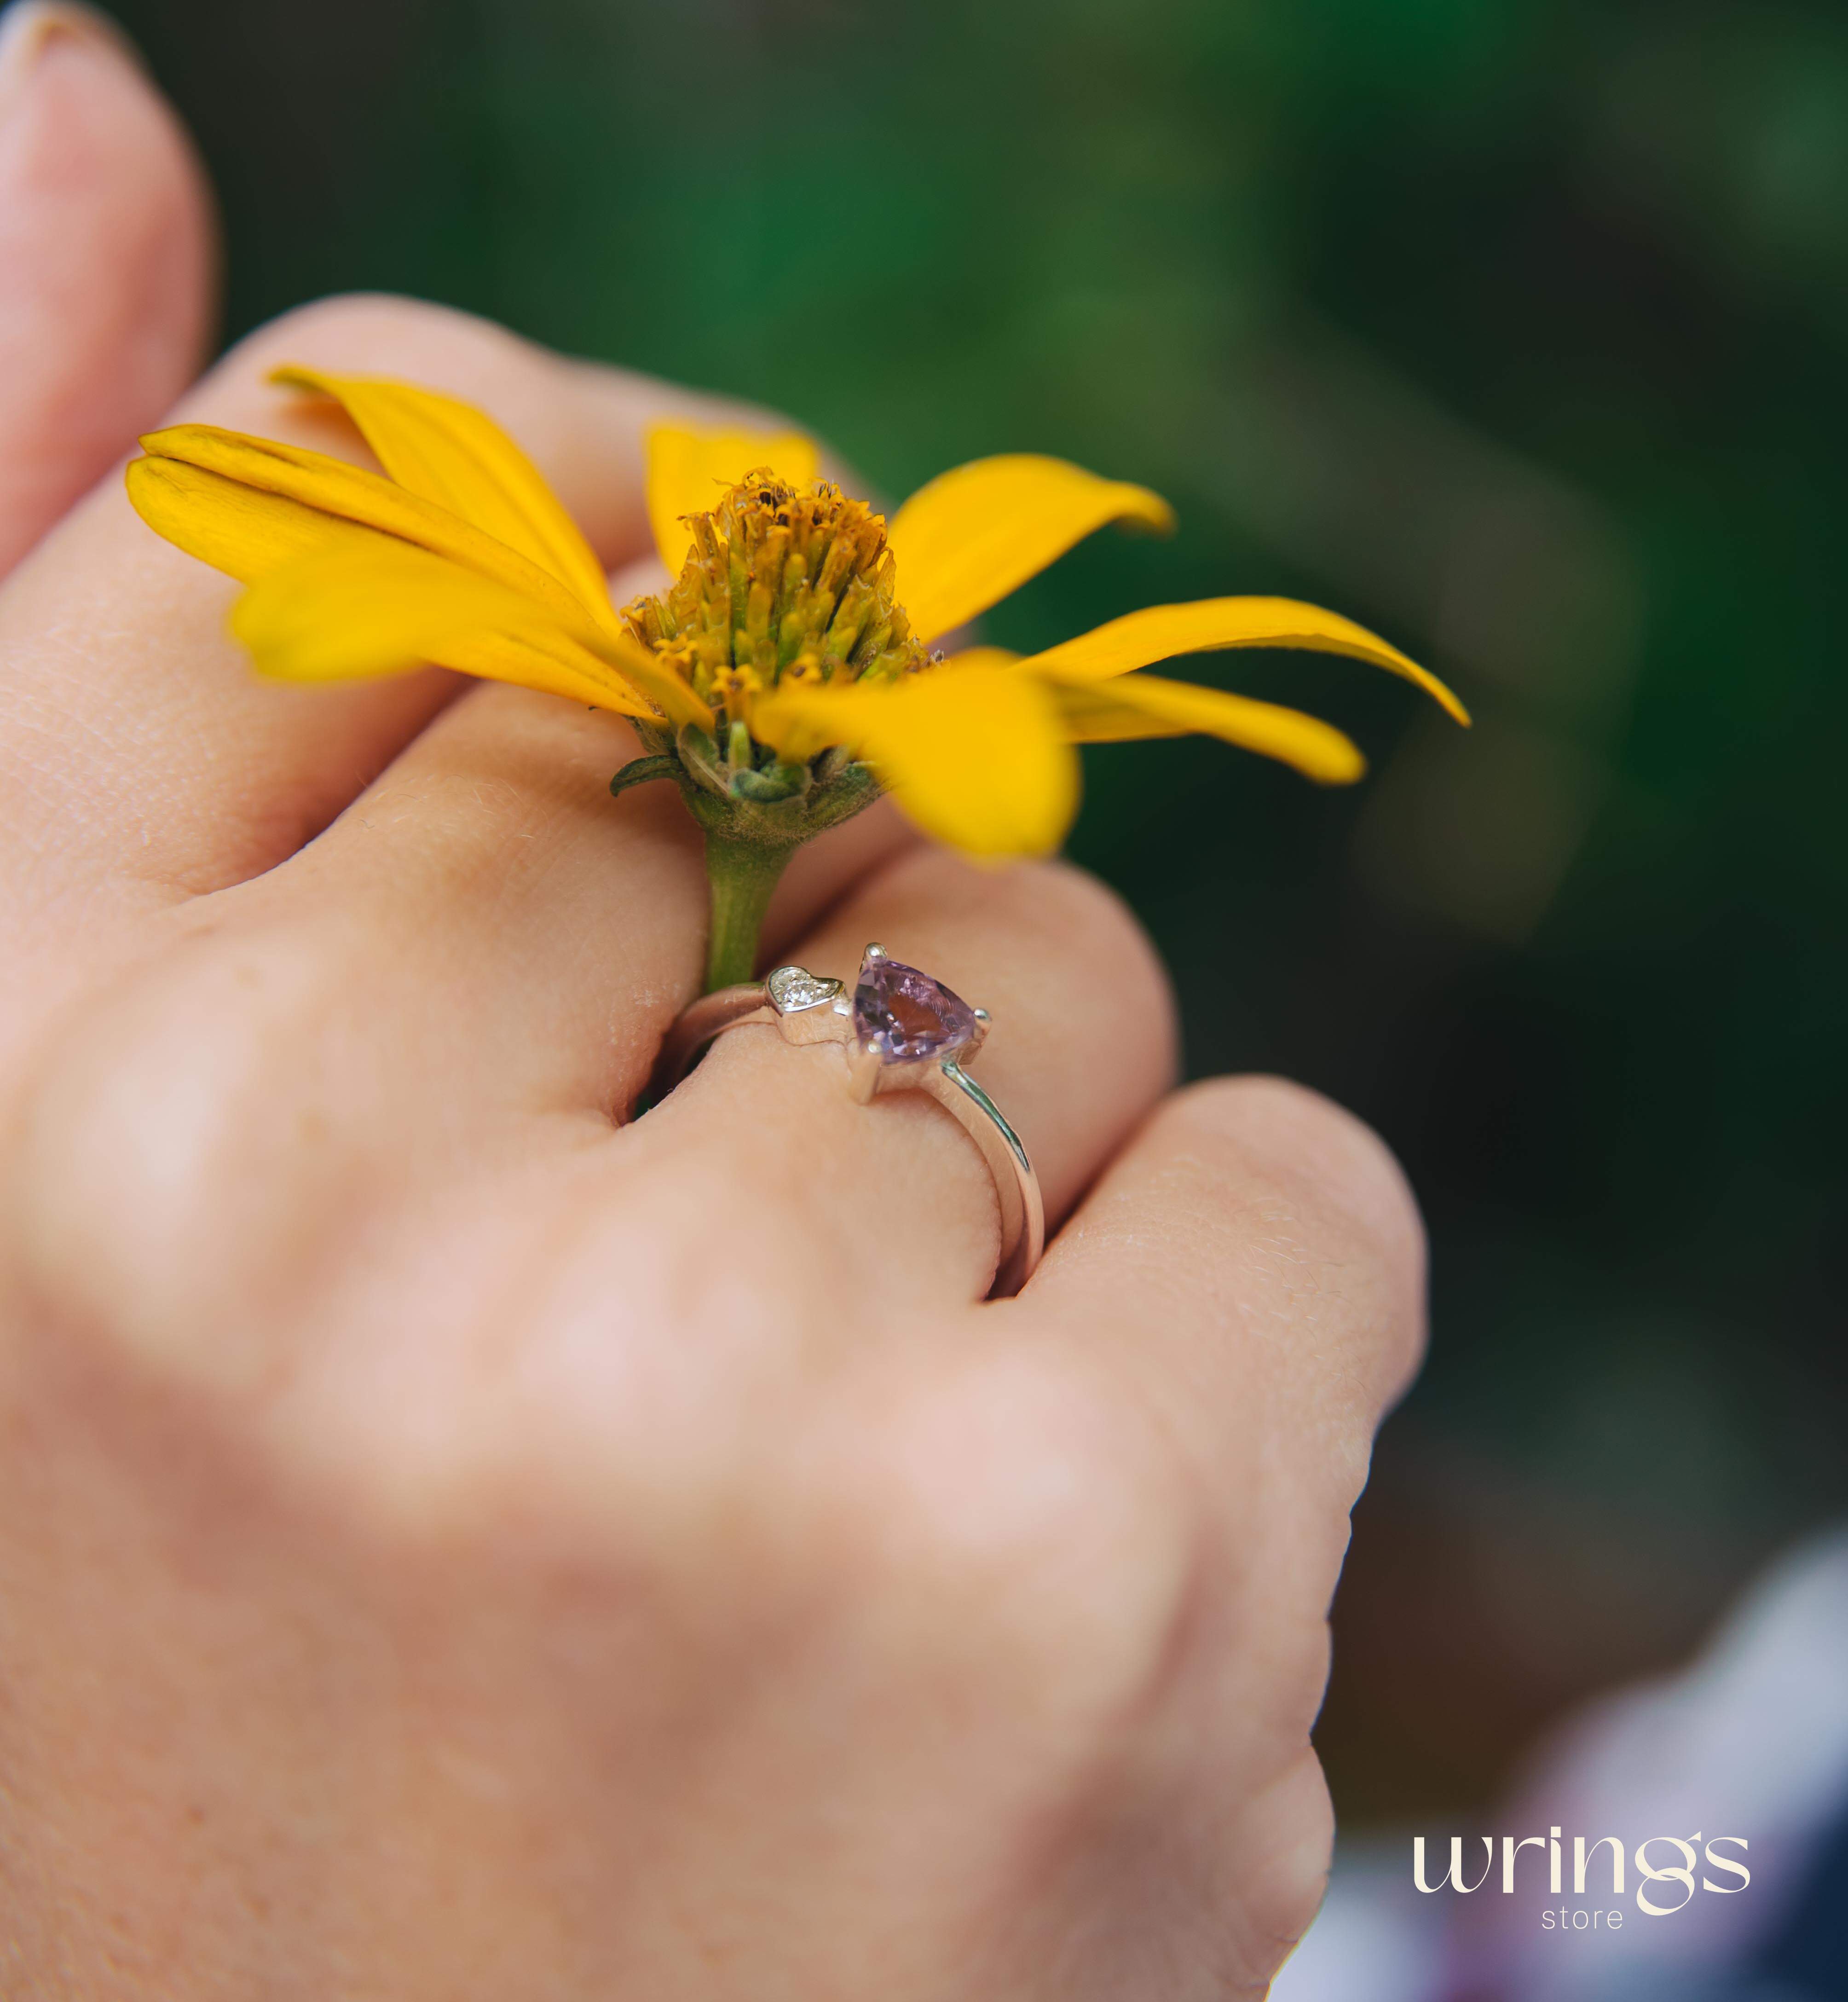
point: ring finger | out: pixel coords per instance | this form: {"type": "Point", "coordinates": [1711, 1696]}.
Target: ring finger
{"type": "Point", "coordinates": [893, 1193]}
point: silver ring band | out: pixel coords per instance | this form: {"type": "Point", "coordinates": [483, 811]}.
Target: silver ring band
{"type": "Point", "coordinates": [900, 1031]}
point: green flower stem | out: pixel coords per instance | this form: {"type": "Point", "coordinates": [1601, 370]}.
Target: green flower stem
{"type": "Point", "coordinates": [756, 812]}
{"type": "Point", "coordinates": [742, 874]}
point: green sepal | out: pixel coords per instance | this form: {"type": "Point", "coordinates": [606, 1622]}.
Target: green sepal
{"type": "Point", "coordinates": [639, 771]}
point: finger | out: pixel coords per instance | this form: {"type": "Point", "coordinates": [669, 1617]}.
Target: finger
{"type": "Point", "coordinates": [131, 722]}
{"type": "Point", "coordinates": [564, 931]}
{"type": "Point", "coordinates": [894, 1194]}
{"type": "Point", "coordinates": [485, 913]}
{"type": "Point", "coordinates": [561, 930]}
{"type": "Point", "coordinates": [107, 257]}
{"type": "Point", "coordinates": [1254, 1262]}
{"type": "Point", "coordinates": [1248, 1276]}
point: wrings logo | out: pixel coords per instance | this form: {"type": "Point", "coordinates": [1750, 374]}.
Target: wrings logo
{"type": "Point", "coordinates": [1662, 1887]}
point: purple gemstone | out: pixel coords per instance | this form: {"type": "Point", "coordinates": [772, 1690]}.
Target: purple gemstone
{"type": "Point", "coordinates": [905, 1014]}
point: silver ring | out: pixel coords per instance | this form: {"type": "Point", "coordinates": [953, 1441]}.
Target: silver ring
{"type": "Point", "coordinates": [901, 1031]}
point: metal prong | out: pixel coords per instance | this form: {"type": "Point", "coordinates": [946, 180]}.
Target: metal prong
{"type": "Point", "coordinates": [863, 1067]}
{"type": "Point", "coordinates": [875, 952]}
{"type": "Point", "coordinates": [983, 1017]}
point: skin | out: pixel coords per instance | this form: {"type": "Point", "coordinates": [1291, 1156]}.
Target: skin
{"type": "Point", "coordinates": [454, 1545]}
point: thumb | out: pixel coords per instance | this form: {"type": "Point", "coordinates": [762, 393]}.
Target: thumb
{"type": "Point", "coordinates": [107, 261]}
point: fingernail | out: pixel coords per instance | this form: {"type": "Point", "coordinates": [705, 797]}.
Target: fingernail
{"type": "Point", "coordinates": [30, 27]}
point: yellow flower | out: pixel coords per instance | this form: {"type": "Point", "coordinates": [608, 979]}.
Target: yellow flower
{"type": "Point", "coordinates": [461, 555]}
{"type": "Point", "coordinates": [786, 677]}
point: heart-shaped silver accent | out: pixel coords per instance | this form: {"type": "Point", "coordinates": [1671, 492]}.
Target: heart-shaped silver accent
{"type": "Point", "coordinates": [794, 988]}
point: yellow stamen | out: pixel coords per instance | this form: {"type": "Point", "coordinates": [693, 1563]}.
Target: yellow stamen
{"type": "Point", "coordinates": [782, 584]}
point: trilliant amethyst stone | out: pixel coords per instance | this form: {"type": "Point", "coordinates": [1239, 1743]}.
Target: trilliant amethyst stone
{"type": "Point", "coordinates": [905, 1015]}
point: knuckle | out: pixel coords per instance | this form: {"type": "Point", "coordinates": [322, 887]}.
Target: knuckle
{"type": "Point", "coordinates": [159, 1165]}
{"type": "Point", "coordinates": [1059, 914]}
{"type": "Point", "coordinates": [1296, 1821]}
{"type": "Point", "coordinates": [1334, 1176]}
{"type": "Point", "coordinates": [566, 1404]}
{"type": "Point", "coordinates": [1090, 922]}
{"type": "Point", "coordinates": [368, 330]}
{"type": "Point", "coordinates": [1078, 907]}
{"type": "Point", "coordinates": [1300, 1645]}
{"type": "Point", "coordinates": [536, 390]}
{"type": "Point", "coordinates": [1034, 1535]}
{"type": "Point", "coordinates": [1298, 1133]}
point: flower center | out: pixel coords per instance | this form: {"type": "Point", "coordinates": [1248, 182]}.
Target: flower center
{"type": "Point", "coordinates": [782, 583]}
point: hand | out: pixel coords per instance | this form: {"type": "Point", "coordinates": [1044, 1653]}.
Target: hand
{"type": "Point", "coordinates": [452, 1544]}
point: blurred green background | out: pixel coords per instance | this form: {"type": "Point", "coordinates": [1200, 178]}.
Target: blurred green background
{"type": "Point", "coordinates": [1516, 329]}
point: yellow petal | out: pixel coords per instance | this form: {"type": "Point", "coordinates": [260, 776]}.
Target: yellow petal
{"type": "Point", "coordinates": [380, 610]}
{"type": "Point", "coordinates": [236, 528]}
{"type": "Point", "coordinates": [976, 533]}
{"type": "Point", "coordinates": [383, 611]}
{"type": "Point", "coordinates": [1162, 631]}
{"type": "Point", "coordinates": [983, 657]}
{"type": "Point", "coordinates": [260, 507]}
{"type": "Point", "coordinates": [688, 469]}
{"type": "Point", "coordinates": [1145, 706]}
{"type": "Point", "coordinates": [449, 451]}
{"type": "Point", "coordinates": [976, 758]}
{"type": "Point", "coordinates": [645, 669]}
